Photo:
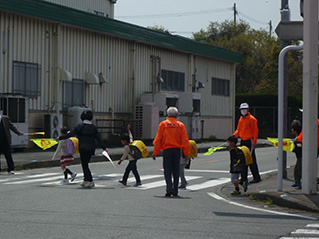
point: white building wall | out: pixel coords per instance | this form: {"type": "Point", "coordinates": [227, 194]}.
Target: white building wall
{"type": "Point", "coordinates": [103, 6]}
{"type": "Point", "coordinates": [126, 64]}
{"type": "Point", "coordinates": [27, 40]}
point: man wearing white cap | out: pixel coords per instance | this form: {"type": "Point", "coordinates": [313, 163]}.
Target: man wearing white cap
{"type": "Point", "coordinates": [247, 130]}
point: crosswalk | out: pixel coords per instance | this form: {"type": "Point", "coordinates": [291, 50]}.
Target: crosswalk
{"type": "Point", "coordinates": [311, 231]}
{"type": "Point", "coordinates": [149, 181]}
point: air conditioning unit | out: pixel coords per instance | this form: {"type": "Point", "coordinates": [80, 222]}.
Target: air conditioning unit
{"type": "Point", "coordinates": [147, 116]}
{"type": "Point", "coordinates": [52, 123]}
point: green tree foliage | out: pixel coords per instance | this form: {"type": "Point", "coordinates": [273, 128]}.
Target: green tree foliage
{"type": "Point", "coordinates": [159, 28]}
{"type": "Point", "coordinates": [258, 72]}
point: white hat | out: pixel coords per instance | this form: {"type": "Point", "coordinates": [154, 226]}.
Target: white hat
{"type": "Point", "coordinates": [243, 106]}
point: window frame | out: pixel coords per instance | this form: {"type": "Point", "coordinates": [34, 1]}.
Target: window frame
{"type": "Point", "coordinates": [220, 87]}
{"type": "Point", "coordinates": [173, 81]}
{"type": "Point", "coordinates": [22, 79]}
{"type": "Point", "coordinates": [72, 93]}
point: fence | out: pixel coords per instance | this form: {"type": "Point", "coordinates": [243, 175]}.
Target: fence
{"type": "Point", "coordinates": [268, 120]}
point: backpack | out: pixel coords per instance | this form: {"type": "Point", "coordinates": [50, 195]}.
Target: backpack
{"type": "Point", "coordinates": [72, 146]}
{"type": "Point", "coordinates": [138, 149]}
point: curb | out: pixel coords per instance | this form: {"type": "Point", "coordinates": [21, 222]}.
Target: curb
{"type": "Point", "coordinates": [282, 202]}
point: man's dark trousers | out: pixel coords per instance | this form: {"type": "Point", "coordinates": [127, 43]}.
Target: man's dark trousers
{"type": "Point", "coordinates": [171, 161]}
{"type": "Point", "coordinates": [253, 167]}
{"type": "Point", "coordinates": [6, 150]}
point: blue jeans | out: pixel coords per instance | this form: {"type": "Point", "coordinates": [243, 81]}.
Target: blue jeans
{"type": "Point", "coordinates": [171, 161]}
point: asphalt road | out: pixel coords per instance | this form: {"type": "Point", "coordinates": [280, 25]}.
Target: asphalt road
{"type": "Point", "coordinates": [34, 204]}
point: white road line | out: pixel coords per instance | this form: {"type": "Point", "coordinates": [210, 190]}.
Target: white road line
{"type": "Point", "coordinates": [36, 180]}
{"type": "Point", "coordinates": [12, 178]}
{"type": "Point", "coordinates": [207, 171]}
{"type": "Point", "coordinates": [214, 195]}
{"type": "Point", "coordinates": [208, 184]}
{"type": "Point", "coordinates": [313, 225]}
{"type": "Point", "coordinates": [161, 183]}
{"type": "Point", "coordinates": [144, 177]}
{"type": "Point", "coordinates": [305, 231]}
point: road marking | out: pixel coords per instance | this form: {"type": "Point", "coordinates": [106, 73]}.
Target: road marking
{"type": "Point", "coordinates": [144, 177]}
{"type": "Point", "coordinates": [208, 184]}
{"type": "Point", "coordinates": [207, 171]}
{"type": "Point", "coordinates": [161, 183]}
{"type": "Point", "coordinates": [217, 197]}
{"type": "Point", "coordinates": [299, 238]}
{"type": "Point", "coordinates": [36, 180]}
{"type": "Point", "coordinates": [305, 231]}
{"type": "Point", "coordinates": [312, 225]}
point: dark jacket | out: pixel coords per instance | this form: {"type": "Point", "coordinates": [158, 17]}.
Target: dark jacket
{"type": "Point", "coordinates": [7, 125]}
{"type": "Point", "coordinates": [86, 133]}
{"type": "Point", "coordinates": [237, 160]}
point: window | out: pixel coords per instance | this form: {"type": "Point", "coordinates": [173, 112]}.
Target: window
{"type": "Point", "coordinates": [73, 93]}
{"type": "Point", "coordinates": [26, 79]}
{"type": "Point", "coordinates": [220, 87]}
{"type": "Point", "coordinates": [173, 81]}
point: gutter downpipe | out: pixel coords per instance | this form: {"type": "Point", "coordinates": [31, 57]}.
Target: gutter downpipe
{"type": "Point", "coordinates": [282, 54]}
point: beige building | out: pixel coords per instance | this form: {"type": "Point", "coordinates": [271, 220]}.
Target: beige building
{"type": "Point", "coordinates": [58, 58]}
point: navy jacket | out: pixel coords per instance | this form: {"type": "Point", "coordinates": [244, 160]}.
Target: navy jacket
{"type": "Point", "coordinates": [86, 133]}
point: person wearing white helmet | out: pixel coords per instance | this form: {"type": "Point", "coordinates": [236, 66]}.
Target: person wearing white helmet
{"type": "Point", "coordinates": [247, 130]}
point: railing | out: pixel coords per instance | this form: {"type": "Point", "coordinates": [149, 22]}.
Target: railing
{"type": "Point", "coordinates": [116, 126]}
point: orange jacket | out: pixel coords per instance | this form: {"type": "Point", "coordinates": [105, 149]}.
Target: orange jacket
{"type": "Point", "coordinates": [299, 138]}
{"type": "Point", "coordinates": [171, 134]}
{"type": "Point", "coordinates": [247, 128]}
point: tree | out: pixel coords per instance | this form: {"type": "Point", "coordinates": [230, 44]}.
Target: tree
{"type": "Point", "coordinates": [258, 73]}
{"type": "Point", "coordinates": [159, 28]}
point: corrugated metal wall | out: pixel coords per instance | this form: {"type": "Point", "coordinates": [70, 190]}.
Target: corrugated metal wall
{"type": "Point", "coordinates": [126, 64]}
{"type": "Point", "coordinates": [88, 5]}
{"type": "Point", "coordinates": [27, 40]}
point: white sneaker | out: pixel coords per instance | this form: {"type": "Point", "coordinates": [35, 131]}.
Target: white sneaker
{"type": "Point", "coordinates": [89, 184]}
{"type": "Point", "coordinates": [83, 183]}
{"type": "Point", "coordinates": [11, 173]}
{"type": "Point", "coordinates": [65, 181]}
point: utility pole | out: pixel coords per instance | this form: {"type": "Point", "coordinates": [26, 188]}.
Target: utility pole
{"type": "Point", "coordinates": [310, 97]}
{"type": "Point", "coordinates": [235, 13]}
{"type": "Point", "coordinates": [285, 16]}
{"type": "Point", "coordinates": [270, 28]}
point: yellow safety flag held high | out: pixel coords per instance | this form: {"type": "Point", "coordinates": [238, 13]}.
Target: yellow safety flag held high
{"type": "Point", "coordinates": [44, 143]}
{"type": "Point", "coordinates": [212, 150]}
{"type": "Point", "coordinates": [287, 144]}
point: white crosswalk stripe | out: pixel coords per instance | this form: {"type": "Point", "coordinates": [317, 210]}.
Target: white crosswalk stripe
{"type": "Point", "coordinates": [311, 232]}
{"type": "Point", "coordinates": [149, 181]}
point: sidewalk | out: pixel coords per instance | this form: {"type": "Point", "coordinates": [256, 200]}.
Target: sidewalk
{"type": "Point", "coordinates": [266, 190]}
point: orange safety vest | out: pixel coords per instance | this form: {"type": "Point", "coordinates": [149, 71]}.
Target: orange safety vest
{"type": "Point", "coordinates": [247, 128]}
{"type": "Point", "coordinates": [171, 134]}
{"type": "Point", "coordinates": [299, 138]}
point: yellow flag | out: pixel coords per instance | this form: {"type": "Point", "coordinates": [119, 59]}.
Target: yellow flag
{"type": "Point", "coordinates": [212, 150]}
{"type": "Point", "coordinates": [44, 143]}
{"type": "Point", "coordinates": [287, 144]}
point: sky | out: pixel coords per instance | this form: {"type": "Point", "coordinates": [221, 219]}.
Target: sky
{"type": "Point", "coordinates": [183, 17]}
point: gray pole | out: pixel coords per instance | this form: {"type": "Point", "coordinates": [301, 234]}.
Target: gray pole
{"type": "Point", "coordinates": [310, 97]}
{"type": "Point", "coordinates": [281, 71]}
{"type": "Point", "coordinates": [285, 16]}
{"type": "Point", "coordinates": [235, 13]}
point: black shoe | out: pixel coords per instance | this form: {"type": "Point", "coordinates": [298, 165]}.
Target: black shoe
{"type": "Point", "coordinates": [168, 195]}
{"type": "Point", "coordinates": [254, 181]}
{"type": "Point", "coordinates": [121, 181]}
{"type": "Point", "coordinates": [175, 194]}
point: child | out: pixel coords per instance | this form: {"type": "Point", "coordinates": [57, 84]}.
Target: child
{"type": "Point", "coordinates": [125, 140]}
{"type": "Point", "coordinates": [182, 164]}
{"type": "Point", "coordinates": [86, 132]}
{"type": "Point", "coordinates": [296, 129]}
{"type": "Point", "coordinates": [65, 158]}
{"type": "Point", "coordinates": [237, 166]}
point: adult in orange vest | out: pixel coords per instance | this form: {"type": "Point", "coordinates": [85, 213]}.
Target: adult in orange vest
{"type": "Point", "coordinates": [247, 130]}
{"type": "Point", "coordinates": [171, 137]}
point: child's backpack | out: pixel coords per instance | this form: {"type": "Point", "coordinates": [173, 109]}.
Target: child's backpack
{"type": "Point", "coordinates": [138, 149]}
{"type": "Point", "coordinates": [72, 146]}
{"type": "Point", "coordinates": [245, 154]}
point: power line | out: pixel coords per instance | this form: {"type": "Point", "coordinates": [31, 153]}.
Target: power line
{"type": "Point", "coordinates": [180, 14]}
{"type": "Point", "coordinates": [251, 18]}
